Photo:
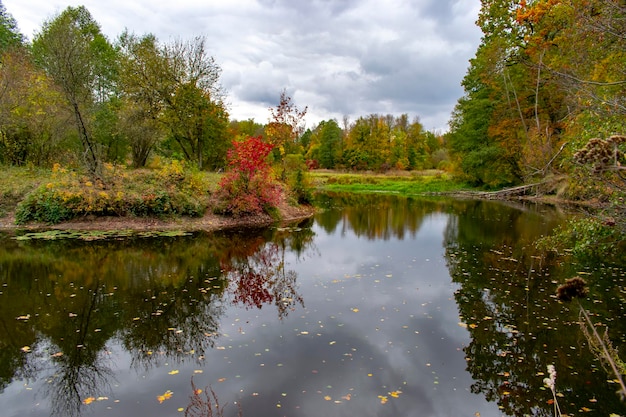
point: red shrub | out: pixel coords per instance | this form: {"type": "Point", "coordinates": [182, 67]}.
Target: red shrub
{"type": "Point", "coordinates": [249, 186]}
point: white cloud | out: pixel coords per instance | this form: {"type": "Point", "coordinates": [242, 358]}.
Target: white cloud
{"type": "Point", "coordinates": [352, 57]}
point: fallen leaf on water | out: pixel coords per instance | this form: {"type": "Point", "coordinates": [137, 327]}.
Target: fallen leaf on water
{"type": "Point", "coordinates": [25, 349]}
{"type": "Point", "coordinates": [89, 400]}
{"type": "Point", "coordinates": [221, 380]}
{"type": "Point", "coordinates": [166, 396]}
{"type": "Point", "coordinates": [327, 397]}
{"type": "Point", "coordinates": [347, 397]}
{"type": "Point", "coordinates": [383, 399]}
{"type": "Point", "coordinates": [395, 394]}
{"type": "Point", "coordinates": [174, 372]}
{"type": "Point", "coordinates": [355, 310]}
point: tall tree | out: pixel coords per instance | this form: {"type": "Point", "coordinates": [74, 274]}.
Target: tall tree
{"type": "Point", "coordinates": [286, 125]}
{"type": "Point", "coordinates": [175, 86]}
{"type": "Point", "coordinates": [195, 113]}
{"type": "Point", "coordinates": [73, 51]}
{"type": "Point", "coordinates": [329, 136]}
{"type": "Point", "coordinates": [33, 114]}
{"type": "Point", "coordinates": [10, 35]}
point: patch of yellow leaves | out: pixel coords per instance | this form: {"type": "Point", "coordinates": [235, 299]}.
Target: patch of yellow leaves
{"type": "Point", "coordinates": [166, 396]}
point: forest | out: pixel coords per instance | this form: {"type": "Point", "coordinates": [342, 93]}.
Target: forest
{"type": "Point", "coordinates": [544, 103]}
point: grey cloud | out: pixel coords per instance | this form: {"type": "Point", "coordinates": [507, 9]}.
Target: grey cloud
{"type": "Point", "coordinates": [352, 57]}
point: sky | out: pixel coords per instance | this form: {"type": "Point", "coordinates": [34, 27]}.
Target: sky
{"type": "Point", "coordinates": [336, 57]}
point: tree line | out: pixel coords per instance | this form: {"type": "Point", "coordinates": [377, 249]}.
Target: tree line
{"type": "Point", "coordinates": [548, 76]}
{"type": "Point", "coordinates": [75, 97]}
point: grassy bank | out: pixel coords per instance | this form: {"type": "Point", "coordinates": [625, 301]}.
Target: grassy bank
{"type": "Point", "coordinates": [55, 195]}
{"type": "Point", "coordinates": [59, 194]}
{"type": "Point", "coordinates": [407, 183]}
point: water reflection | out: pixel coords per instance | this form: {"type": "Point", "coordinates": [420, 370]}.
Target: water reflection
{"type": "Point", "coordinates": [64, 303]}
{"type": "Point", "coordinates": [380, 306]}
{"type": "Point", "coordinates": [507, 302]}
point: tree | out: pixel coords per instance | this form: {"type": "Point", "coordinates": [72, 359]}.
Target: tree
{"type": "Point", "coordinates": [143, 86]}
{"type": "Point", "coordinates": [285, 126]}
{"type": "Point", "coordinates": [33, 114]}
{"type": "Point", "coordinates": [175, 86]}
{"type": "Point", "coordinates": [330, 135]}
{"type": "Point", "coordinates": [10, 35]}
{"type": "Point", "coordinates": [78, 57]}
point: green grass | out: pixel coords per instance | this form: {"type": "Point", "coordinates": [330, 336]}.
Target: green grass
{"type": "Point", "coordinates": [16, 183]}
{"type": "Point", "coordinates": [413, 183]}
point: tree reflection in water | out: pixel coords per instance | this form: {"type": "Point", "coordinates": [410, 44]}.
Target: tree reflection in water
{"type": "Point", "coordinates": [160, 299]}
{"type": "Point", "coordinates": [507, 302]}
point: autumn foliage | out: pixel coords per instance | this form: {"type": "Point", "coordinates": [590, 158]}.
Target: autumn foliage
{"type": "Point", "coordinates": [249, 186]}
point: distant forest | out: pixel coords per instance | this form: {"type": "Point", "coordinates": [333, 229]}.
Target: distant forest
{"type": "Point", "coordinates": [548, 77]}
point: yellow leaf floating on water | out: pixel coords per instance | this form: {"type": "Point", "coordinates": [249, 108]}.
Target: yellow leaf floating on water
{"type": "Point", "coordinates": [88, 400]}
{"type": "Point", "coordinates": [328, 398]}
{"type": "Point", "coordinates": [166, 396]}
{"type": "Point", "coordinates": [25, 349]}
{"type": "Point", "coordinates": [395, 394]}
{"type": "Point", "coordinates": [174, 372]}
{"type": "Point", "coordinates": [383, 399]}
{"type": "Point", "coordinates": [355, 310]}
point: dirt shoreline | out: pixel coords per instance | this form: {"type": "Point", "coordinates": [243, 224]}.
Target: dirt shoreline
{"type": "Point", "coordinates": [209, 222]}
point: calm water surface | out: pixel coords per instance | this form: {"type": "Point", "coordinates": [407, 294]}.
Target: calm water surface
{"type": "Point", "coordinates": [380, 306]}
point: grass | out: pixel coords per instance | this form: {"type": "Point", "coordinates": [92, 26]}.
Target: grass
{"type": "Point", "coordinates": [406, 183]}
{"type": "Point", "coordinates": [172, 189]}
{"type": "Point", "coordinates": [58, 194]}
{"type": "Point", "coordinates": [16, 183]}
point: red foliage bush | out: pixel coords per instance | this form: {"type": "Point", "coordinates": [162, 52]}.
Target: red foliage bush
{"type": "Point", "coordinates": [249, 186]}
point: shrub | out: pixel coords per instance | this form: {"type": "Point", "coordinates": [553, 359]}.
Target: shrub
{"type": "Point", "coordinates": [249, 186]}
{"type": "Point", "coordinates": [171, 190]}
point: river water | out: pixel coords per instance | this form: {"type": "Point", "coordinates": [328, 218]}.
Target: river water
{"type": "Point", "coordinates": [378, 306]}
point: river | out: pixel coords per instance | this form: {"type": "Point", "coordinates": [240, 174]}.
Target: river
{"type": "Point", "coordinates": [378, 306]}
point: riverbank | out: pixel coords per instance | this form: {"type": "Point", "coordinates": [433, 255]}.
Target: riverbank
{"type": "Point", "coordinates": [209, 222]}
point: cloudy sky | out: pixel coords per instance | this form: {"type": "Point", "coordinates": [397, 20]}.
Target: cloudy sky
{"type": "Point", "coordinates": [338, 57]}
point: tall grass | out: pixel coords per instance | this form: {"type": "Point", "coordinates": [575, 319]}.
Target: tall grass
{"type": "Point", "coordinates": [52, 196]}
{"type": "Point", "coordinates": [423, 182]}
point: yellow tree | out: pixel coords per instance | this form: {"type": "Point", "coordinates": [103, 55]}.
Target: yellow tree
{"type": "Point", "coordinates": [285, 127]}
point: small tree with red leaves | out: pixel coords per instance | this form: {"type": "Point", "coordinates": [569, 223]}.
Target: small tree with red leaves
{"type": "Point", "coordinates": [249, 186]}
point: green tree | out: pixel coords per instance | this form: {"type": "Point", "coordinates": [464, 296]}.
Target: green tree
{"type": "Point", "coordinates": [143, 86]}
{"type": "Point", "coordinates": [195, 114]}
{"type": "Point", "coordinates": [330, 135]}
{"type": "Point", "coordinates": [33, 114]}
{"type": "Point", "coordinates": [10, 35]}
{"type": "Point", "coordinates": [173, 91]}
{"type": "Point", "coordinates": [73, 51]}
